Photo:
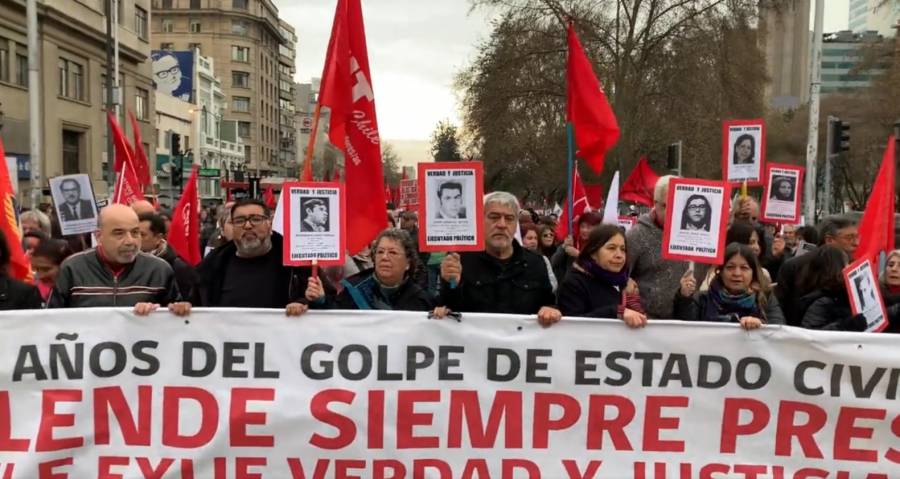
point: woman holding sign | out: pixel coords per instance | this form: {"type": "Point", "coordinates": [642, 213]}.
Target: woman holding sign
{"type": "Point", "coordinates": [827, 307]}
{"type": "Point", "coordinates": [736, 295]}
{"type": "Point", "coordinates": [597, 286]}
{"type": "Point", "coordinates": [890, 288]}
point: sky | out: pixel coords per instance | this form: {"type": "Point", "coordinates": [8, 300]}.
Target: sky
{"type": "Point", "coordinates": [416, 47]}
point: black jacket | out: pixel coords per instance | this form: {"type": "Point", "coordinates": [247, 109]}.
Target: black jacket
{"type": "Point", "coordinates": [290, 281]}
{"type": "Point", "coordinates": [789, 291]}
{"type": "Point", "coordinates": [185, 275]}
{"type": "Point", "coordinates": [15, 294]}
{"type": "Point", "coordinates": [584, 295]}
{"type": "Point", "coordinates": [361, 291]}
{"type": "Point", "coordinates": [828, 310]}
{"type": "Point", "coordinates": [694, 309]}
{"type": "Point", "coordinates": [519, 285]}
{"type": "Point", "coordinates": [892, 303]}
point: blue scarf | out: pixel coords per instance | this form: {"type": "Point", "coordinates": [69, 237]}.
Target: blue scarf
{"type": "Point", "coordinates": [619, 280]}
{"type": "Point", "coordinates": [727, 305]}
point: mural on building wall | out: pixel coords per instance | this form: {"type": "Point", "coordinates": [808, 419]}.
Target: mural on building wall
{"type": "Point", "coordinates": [173, 73]}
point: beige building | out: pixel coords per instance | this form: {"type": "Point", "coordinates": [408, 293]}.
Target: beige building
{"type": "Point", "coordinates": [785, 37]}
{"type": "Point", "coordinates": [72, 84]}
{"type": "Point", "coordinates": [287, 54]}
{"type": "Point", "coordinates": [243, 37]}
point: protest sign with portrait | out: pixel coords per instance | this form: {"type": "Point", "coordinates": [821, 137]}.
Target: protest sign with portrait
{"type": "Point", "coordinates": [450, 206]}
{"type": "Point", "coordinates": [696, 217]}
{"type": "Point", "coordinates": [865, 294]}
{"type": "Point", "coordinates": [314, 223]}
{"type": "Point", "coordinates": [743, 151]}
{"type": "Point", "coordinates": [781, 200]}
{"type": "Point", "coordinates": [73, 198]}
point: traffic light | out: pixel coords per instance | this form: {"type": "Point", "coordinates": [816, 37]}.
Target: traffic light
{"type": "Point", "coordinates": [840, 136]}
{"type": "Point", "coordinates": [176, 145]}
{"type": "Point", "coordinates": [177, 175]}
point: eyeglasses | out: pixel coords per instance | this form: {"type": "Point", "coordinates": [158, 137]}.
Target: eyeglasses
{"type": "Point", "coordinates": [696, 207]}
{"type": "Point", "coordinates": [254, 220]}
{"type": "Point", "coordinates": [176, 70]}
{"type": "Point", "coordinates": [548, 235]}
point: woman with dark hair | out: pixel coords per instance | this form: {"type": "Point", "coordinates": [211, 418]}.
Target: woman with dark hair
{"type": "Point", "coordinates": [532, 242]}
{"type": "Point", "coordinates": [32, 239]}
{"type": "Point", "coordinates": [569, 250]}
{"type": "Point", "coordinates": [547, 240]}
{"type": "Point", "coordinates": [736, 294]}
{"type": "Point", "coordinates": [15, 294]}
{"type": "Point", "coordinates": [598, 284]}
{"type": "Point", "coordinates": [782, 188]}
{"type": "Point", "coordinates": [45, 261]}
{"type": "Point", "coordinates": [744, 150]}
{"type": "Point", "coordinates": [746, 234]}
{"type": "Point", "coordinates": [890, 289]}
{"type": "Point", "coordinates": [827, 306]}
{"type": "Point", "coordinates": [388, 284]}
{"type": "Point", "coordinates": [697, 214]}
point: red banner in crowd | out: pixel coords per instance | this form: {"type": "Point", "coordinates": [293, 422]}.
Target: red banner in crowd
{"type": "Point", "coordinates": [19, 265]}
{"type": "Point", "coordinates": [184, 233]}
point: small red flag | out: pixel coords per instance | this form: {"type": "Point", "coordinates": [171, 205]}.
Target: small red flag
{"type": "Point", "coordinates": [141, 164]}
{"type": "Point", "coordinates": [128, 188]}
{"type": "Point", "coordinates": [876, 228]}
{"type": "Point", "coordinates": [19, 265]}
{"type": "Point", "coordinates": [640, 184]}
{"type": "Point", "coordinates": [336, 177]}
{"type": "Point", "coordinates": [347, 90]}
{"type": "Point", "coordinates": [184, 232]}
{"type": "Point", "coordinates": [124, 153]}
{"type": "Point", "coordinates": [579, 204]}
{"type": "Point", "coordinates": [269, 197]}
{"type": "Point", "coordinates": [596, 129]}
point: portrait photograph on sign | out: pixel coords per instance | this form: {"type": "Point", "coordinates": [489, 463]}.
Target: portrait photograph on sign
{"type": "Point", "coordinates": [743, 151]}
{"type": "Point", "coordinates": [783, 194]}
{"type": "Point", "coordinates": [450, 207]}
{"type": "Point", "coordinates": [696, 217]}
{"type": "Point", "coordinates": [313, 223]}
{"type": "Point", "coordinates": [73, 198]}
{"type": "Point", "coordinates": [865, 294]}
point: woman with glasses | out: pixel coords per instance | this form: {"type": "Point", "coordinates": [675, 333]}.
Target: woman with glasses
{"type": "Point", "coordinates": [547, 240]}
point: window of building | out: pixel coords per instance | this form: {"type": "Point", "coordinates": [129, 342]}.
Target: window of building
{"type": "Point", "coordinates": [240, 79]}
{"type": "Point", "coordinates": [140, 22]}
{"type": "Point", "coordinates": [193, 46]}
{"type": "Point", "coordinates": [4, 60]}
{"type": "Point", "coordinates": [195, 26]}
{"type": "Point", "coordinates": [142, 104]}
{"type": "Point", "coordinates": [167, 46]}
{"type": "Point", "coordinates": [248, 154]}
{"type": "Point", "coordinates": [241, 104]}
{"type": "Point", "coordinates": [239, 27]}
{"type": "Point", "coordinates": [240, 54]}
{"type": "Point", "coordinates": [166, 3]}
{"type": "Point", "coordinates": [243, 129]}
{"type": "Point", "coordinates": [195, 4]}
{"type": "Point", "coordinates": [22, 70]}
{"type": "Point", "coordinates": [239, 4]}
{"type": "Point", "coordinates": [168, 26]}
{"type": "Point", "coordinates": [63, 66]}
{"type": "Point", "coordinates": [71, 151]}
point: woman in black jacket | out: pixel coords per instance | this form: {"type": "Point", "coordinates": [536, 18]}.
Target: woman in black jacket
{"type": "Point", "coordinates": [827, 306]}
{"type": "Point", "coordinates": [15, 294]}
{"type": "Point", "coordinates": [735, 295]}
{"type": "Point", "coordinates": [597, 285]}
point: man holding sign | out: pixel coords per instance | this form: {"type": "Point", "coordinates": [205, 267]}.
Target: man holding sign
{"type": "Point", "coordinates": [504, 278]}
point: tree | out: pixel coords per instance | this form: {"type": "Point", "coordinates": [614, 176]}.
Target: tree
{"type": "Point", "coordinates": [445, 142]}
{"type": "Point", "coordinates": [390, 163]}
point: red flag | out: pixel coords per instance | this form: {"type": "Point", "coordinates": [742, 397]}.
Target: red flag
{"type": "Point", "coordinates": [337, 175]}
{"type": "Point", "coordinates": [184, 232]}
{"type": "Point", "coordinates": [596, 129]}
{"type": "Point", "coordinates": [347, 89]}
{"type": "Point", "coordinates": [876, 228]}
{"type": "Point", "coordinates": [128, 188]}
{"type": "Point", "coordinates": [640, 184]}
{"type": "Point", "coordinates": [579, 203]}
{"type": "Point", "coordinates": [269, 197]}
{"type": "Point", "coordinates": [19, 265]}
{"type": "Point", "coordinates": [124, 153]}
{"type": "Point", "coordinates": [141, 164]}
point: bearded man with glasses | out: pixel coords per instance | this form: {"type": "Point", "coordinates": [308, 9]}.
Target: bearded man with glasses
{"type": "Point", "coordinates": [248, 272]}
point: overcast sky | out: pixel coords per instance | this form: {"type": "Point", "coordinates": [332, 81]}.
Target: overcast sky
{"type": "Point", "coordinates": [415, 49]}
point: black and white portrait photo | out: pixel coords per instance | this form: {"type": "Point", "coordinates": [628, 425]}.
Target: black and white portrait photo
{"type": "Point", "coordinates": [449, 201]}
{"type": "Point", "coordinates": [314, 215]}
{"type": "Point", "coordinates": [697, 214]}
{"type": "Point", "coordinates": [781, 202]}
{"type": "Point", "coordinates": [783, 188]}
{"type": "Point", "coordinates": [313, 223]}
{"type": "Point", "coordinates": [75, 205]}
{"type": "Point", "coordinates": [865, 295]}
{"type": "Point", "coordinates": [743, 150]}
{"type": "Point", "coordinates": [695, 220]}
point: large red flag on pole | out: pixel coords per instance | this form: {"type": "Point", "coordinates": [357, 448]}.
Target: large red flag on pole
{"type": "Point", "coordinates": [596, 129]}
{"type": "Point", "coordinates": [141, 163]}
{"type": "Point", "coordinates": [579, 204]}
{"type": "Point", "coordinates": [184, 232]}
{"type": "Point", "coordinates": [347, 90]}
{"type": "Point", "coordinates": [640, 184]}
{"type": "Point", "coordinates": [19, 265]}
{"type": "Point", "coordinates": [876, 228]}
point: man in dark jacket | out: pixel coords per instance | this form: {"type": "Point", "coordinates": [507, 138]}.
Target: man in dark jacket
{"type": "Point", "coordinates": [248, 271]}
{"type": "Point", "coordinates": [505, 278]}
{"type": "Point", "coordinates": [153, 241]}
{"type": "Point", "coordinates": [116, 273]}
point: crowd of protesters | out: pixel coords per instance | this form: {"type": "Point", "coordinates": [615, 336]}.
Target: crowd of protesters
{"type": "Point", "coordinates": [769, 275]}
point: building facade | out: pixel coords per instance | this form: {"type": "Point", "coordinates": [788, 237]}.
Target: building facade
{"type": "Point", "coordinates": [72, 85]}
{"type": "Point", "coordinates": [841, 56]}
{"type": "Point", "coordinates": [306, 95]}
{"type": "Point", "coordinates": [874, 15]}
{"type": "Point", "coordinates": [243, 38]}
{"type": "Point", "coordinates": [785, 37]}
{"type": "Point", "coordinates": [287, 54]}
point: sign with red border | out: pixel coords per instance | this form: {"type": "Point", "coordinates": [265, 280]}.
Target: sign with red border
{"type": "Point", "coordinates": [696, 220]}
{"type": "Point", "coordinates": [450, 206]}
{"type": "Point", "coordinates": [743, 151]}
{"type": "Point", "coordinates": [314, 223]}
{"type": "Point", "coordinates": [784, 189]}
{"type": "Point", "coordinates": [865, 294]}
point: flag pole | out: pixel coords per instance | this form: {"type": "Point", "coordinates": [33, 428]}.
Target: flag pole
{"type": "Point", "coordinates": [306, 174]}
{"type": "Point", "coordinates": [570, 140]}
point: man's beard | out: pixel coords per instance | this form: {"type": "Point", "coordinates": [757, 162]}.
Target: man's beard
{"type": "Point", "coordinates": [250, 248]}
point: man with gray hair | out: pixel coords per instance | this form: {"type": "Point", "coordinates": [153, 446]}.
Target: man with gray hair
{"type": "Point", "coordinates": [504, 278]}
{"type": "Point", "coordinates": [656, 277]}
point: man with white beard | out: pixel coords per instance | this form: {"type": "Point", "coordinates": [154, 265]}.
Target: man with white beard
{"type": "Point", "coordinates": [248, 272]}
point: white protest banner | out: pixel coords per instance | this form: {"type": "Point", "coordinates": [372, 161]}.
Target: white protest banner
{"type": "Point", "coordinates": [865, 294]}
{"type": "Point", "coordinates": [781, 198]}
{"type": "Point", "coordinates": [696, 220]}
{"type": "Point", "coordinates": [235, 393]}
{"type": "Point", "coordinates": [450, 206]}
{"type": "Point", "coordinates": [314, 222]}
{"type": "Point", "coordinates": [743, 150]}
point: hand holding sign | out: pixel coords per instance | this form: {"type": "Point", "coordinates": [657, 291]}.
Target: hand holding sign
{"type": "Point", "coordinates": [314, 289]}
{"type": "Point", "coordinates": [688, 284]}
{"type": "Point", "coordinates": [451, 269]}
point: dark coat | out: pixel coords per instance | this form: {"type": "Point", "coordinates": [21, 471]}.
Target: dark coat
{"type": "Point", "coordinates": [361, 292]}
{"type": "Point", "coordinates": [694, 309]}
{"type": "Point", "coordinates": [291, 281]}
{"type": "Point", "coordinates": [828, 310]}
{"type": "Point", "coordinates": [581, 294]}
{"type": "Point", "coordinates": [85, 207]}
{"type": "Point", "coordinates": [15, 294]}
{"type": "Point", "coordinates": [185, 275]}
{"type": "Point", "coordinates": [520, 286]}
{"type": "Point", "coordinates": [788, 289]}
